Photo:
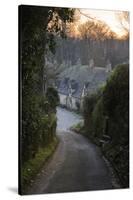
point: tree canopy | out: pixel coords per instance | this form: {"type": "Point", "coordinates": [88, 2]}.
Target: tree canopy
{"type": "Point", "coordinates": [37, 28]}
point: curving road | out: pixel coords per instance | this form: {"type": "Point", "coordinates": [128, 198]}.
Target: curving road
{"type": "Point", "coordinates": [77, 164]}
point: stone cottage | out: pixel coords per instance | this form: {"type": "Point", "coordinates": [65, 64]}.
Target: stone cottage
{"type": "Point", "coordinates": [75, 82]}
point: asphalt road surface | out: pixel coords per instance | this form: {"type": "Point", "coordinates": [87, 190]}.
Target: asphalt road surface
{"type": "Point", "coordinates": [77, 164]}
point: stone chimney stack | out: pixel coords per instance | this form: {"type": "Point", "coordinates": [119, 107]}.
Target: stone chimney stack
{"type": "Point", "coordinates": [108, 66]}
{"type": "Point", "coordinates": [91, 63]}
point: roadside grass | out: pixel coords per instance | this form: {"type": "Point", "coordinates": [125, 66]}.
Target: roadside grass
{"type": "Point", "coordinates": [32, 167]}
{"type": "Point", "coordinates": [78, 128]}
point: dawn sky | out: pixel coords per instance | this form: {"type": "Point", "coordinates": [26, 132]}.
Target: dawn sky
{"type": "Point", "coordinates": [110, 17]}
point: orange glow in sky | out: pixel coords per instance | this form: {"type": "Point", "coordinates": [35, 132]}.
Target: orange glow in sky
{"type": "Point", "coordinates": [108, 17]}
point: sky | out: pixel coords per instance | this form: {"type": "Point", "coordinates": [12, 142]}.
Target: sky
{"type": "Point", "coordinates": [110, 17]}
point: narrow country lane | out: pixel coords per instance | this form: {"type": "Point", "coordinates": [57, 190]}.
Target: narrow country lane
{"type": "Point", "coordinates": [77, 164]}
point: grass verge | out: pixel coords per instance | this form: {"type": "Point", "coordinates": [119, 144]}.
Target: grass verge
{"type": "Point", "coordinates": [78, 128]}
{"type": "Point", "coordinates": [32, 167]}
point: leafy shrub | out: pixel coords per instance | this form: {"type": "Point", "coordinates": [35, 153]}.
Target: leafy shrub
{"type": "Point", "coordinates": [112, 102]}
{"type": "Point", "coordinates": [89, 104]}
{"type": "Point", "coordinates": [78, 128]}
{"type": "Point", "coordinates": [39, 124]}
{"type": "Point", "coordinates": [116, 103]}
{"type": "Point", "coordinates": [32, 166]}
{"type": "Point", "coordinates": [77, 103]}
{"type": "Point", "coordinates": [98, 119]}
{"type": "Point", "coordinates": [53, 98]}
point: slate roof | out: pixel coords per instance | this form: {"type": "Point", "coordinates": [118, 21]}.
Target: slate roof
{"type": "Point", "coordinates": [78, 77]}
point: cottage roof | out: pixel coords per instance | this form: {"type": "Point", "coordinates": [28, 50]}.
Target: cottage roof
{"type": "Point", "coordinates": [77, 77]}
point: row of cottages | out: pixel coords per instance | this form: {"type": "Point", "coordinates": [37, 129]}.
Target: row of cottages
{"type": "Point", "coordinates": [75, 83]}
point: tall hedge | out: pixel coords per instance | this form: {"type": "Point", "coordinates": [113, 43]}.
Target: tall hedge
{"type": "Point", "coordinates": [38, 122]}
{"type": "Point", "coordinates": [116, 103]}
{"type": "Point", "coordinates": [112, 104]}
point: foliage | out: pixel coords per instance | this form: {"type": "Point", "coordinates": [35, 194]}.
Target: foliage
{"type": "Point", "coordinates": [78, 128]}
{"type": "Point", "coordinates": [100, 48]}
{"type": "Point", "coordinates": [32, 166]}
{"type": "Point", "coordinates": [38, 125]}
{"type": "Point", "coordinates": [112, 103]}
{"type": "Point", "coordinates": [98, 119]}
{"type": "Point", "coordinates": [77, 103]}
{"type": "Point", "coordinates": [37, 27]}
{"type": "Point", "coordinates": [88, 107]}
{"type": "Point", "coordinates": [53, 97]}
{"type": "Point", "coordinates": [95, 29]}
{"type": "Point", "coordinates": [89, 103]}
{"type": "Point", "coordinates": [116, 102]}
